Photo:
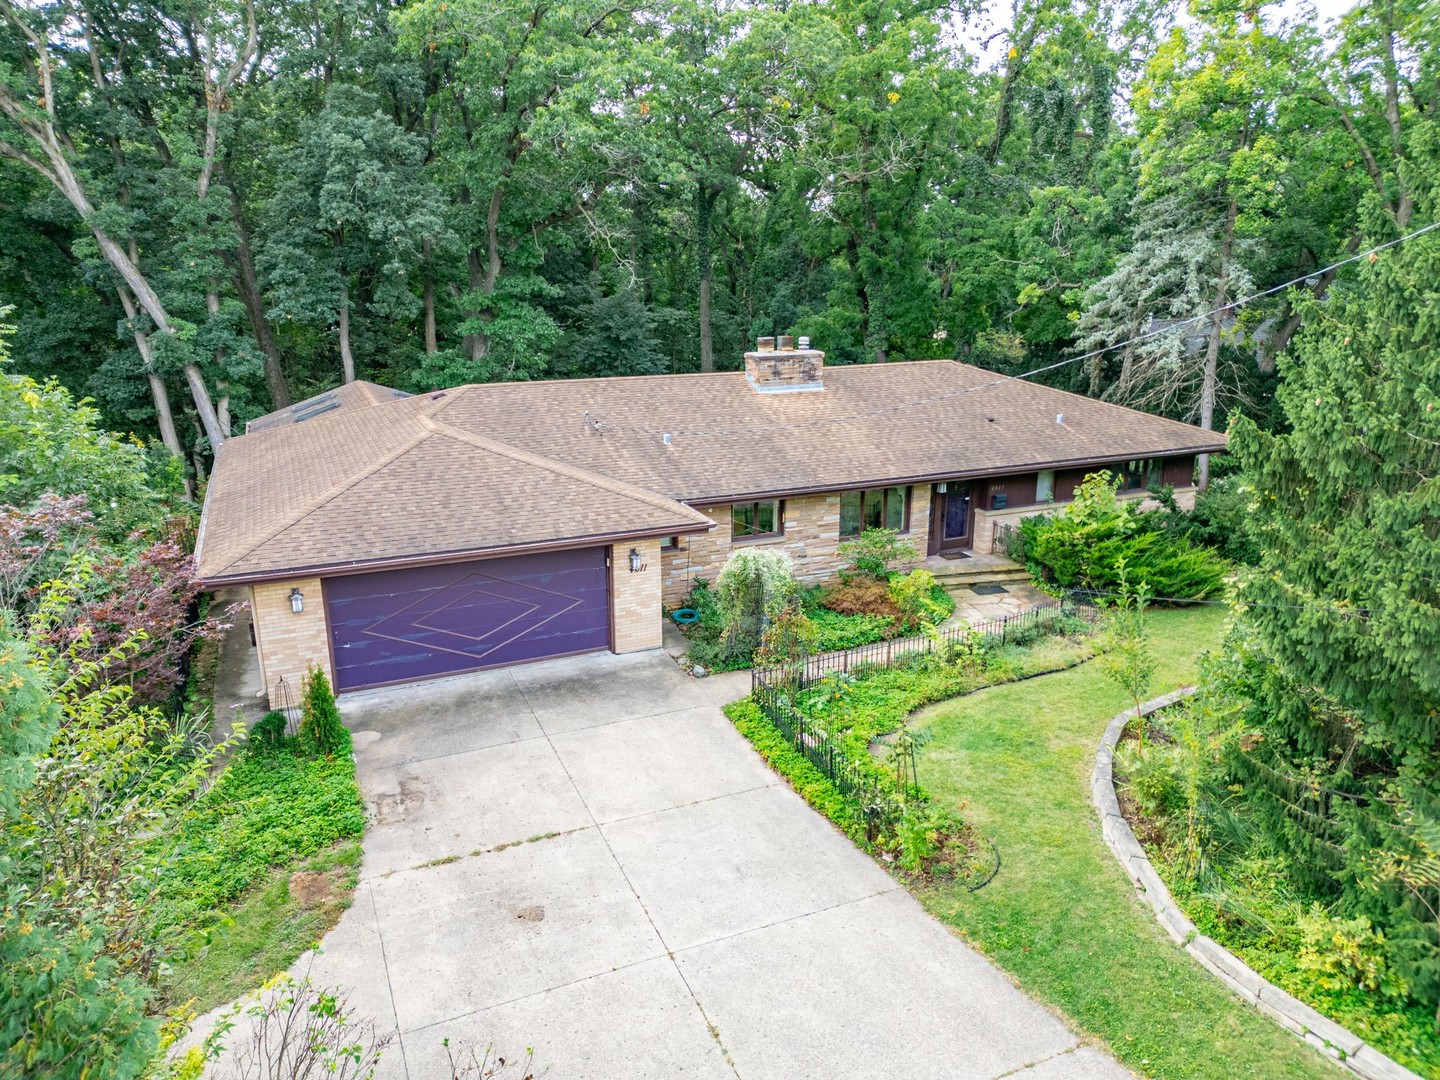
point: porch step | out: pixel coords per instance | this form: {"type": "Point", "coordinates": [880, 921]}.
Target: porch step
{"type": "Point", "coordinates": [964, 577]}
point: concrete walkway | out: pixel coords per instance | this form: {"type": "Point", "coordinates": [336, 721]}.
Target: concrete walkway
{"type": "Point", "coordinates": [584, 857]}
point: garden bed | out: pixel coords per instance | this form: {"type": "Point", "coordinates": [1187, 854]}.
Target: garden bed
{"type": "Point", "coordinates": [842, 741]}
{"type": "Point", "coordinates": [1236, 892]}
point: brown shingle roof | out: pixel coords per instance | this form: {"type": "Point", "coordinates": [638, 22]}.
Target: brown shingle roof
{"type": "Point", "coordinates": [872, 422]}
{"type": "Point", "coordinates": [356, 395]}
{"type": "Point", "coordinates": [505, 465]}
{"type": "Point", "coordinates": [393, 484]}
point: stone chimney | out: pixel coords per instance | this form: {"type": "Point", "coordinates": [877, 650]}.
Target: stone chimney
{"type": "Point", "coordinates": [778, 367]}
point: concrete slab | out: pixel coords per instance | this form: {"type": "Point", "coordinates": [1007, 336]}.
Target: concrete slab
{"type": "Point", "coordinates": [438, 718]}
{"type": "Point", "coordinates": [657, 762]}
{"type": "Point", "coordinates": [1085, 1063]}
{"type": "Point", "coordinates": [475, 933]}
{"type": "Point", "coordinates": [465, 802]}
{"type": "Point", "coordinates": [639, 1023]}
{"type": "Point", "coordinates": [352, 956]}
{"type": "Point", "coordinates": [600, 688]}
{"type": "Point", "coordinates": [876, 984]}
{"type": "Point", "coordinates": [715, 869]}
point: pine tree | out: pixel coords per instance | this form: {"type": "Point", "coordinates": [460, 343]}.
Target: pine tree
{"type": "Point", "coordinates": [1337, 653]}
{"type": "Point", "coordinates": [321, 729]}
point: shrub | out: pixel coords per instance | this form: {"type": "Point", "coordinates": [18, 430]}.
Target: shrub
{"type": "Point", "coordinates": [876, 554]}
{"type": "Point", "coordinates": [1344, 953]}
{"type": "Point", "coordinates": [914, 594]}
{"type": "Point", "coordinates": [1222, 520]}
{"type": "Point", "coordinates": [837, 631]}
{"type": "Point", "coordinates": [268, 733]}
{"type": "Point", "coordinates": [1154, 776]}
{"type": "Point", "coordinates": [754, 582]}
{"type": "Point", "coordinates": [321, 730]}
{"type": "Point", "coordinates": [1087, 545]}
{"type": "Point", "coordinates": [861, 596]}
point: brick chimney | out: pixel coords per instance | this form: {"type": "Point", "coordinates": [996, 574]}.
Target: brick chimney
{"type": "Point", "coordinates": [778, 367]}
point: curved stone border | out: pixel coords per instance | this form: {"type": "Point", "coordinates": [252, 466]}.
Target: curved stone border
{"type": "Point", "coordinates": [1344, 1046]}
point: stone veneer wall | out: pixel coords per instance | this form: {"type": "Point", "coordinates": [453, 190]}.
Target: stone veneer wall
{"type": "Point", "coordinates": [986, 521]}
{"type": "Point", "coordinates": [1347, 1048]}
{"type": "Point", "coordinates": [812, 539]}
{"type": "Point", "coordinates": [635, 598]}
{"type": "Point", "coordinates": [289, 643]}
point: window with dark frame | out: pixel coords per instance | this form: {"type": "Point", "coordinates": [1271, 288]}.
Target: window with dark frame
{"type": "Point", "coordinates": [880, 508]}
{"type": "Point", "coordinates": [1138, 475]}
{"type": "Point", "coordinates": [752, 520]}
{"type": "Point", "coordinates": [670, 543]}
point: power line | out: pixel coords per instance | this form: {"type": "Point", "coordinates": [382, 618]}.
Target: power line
{"type": "Point", "coordinates": [600, 427]}
{"type": "Point", "coordinates": [1332, 608]}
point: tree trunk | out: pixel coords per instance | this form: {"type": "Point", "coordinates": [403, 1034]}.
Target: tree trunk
{"type": "Point", "coordinates": [347, 361]}
{"type": "Point", "coordinates": [1210, 376]}
{"type": "Point", "coordinates": [704, 204]}
{"type": "Point", "coordinates": [432, 343]}
{"type": "Point", "coordinates": [164, 418]}
{"type": "Point", "coordinates": [247, 286]}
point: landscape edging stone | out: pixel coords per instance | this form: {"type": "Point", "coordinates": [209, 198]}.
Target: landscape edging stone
{"type": "Point", "coordinates": [1284, 1008]}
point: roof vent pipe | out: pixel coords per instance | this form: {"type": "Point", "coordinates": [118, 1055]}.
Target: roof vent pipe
{"type": "Point", "coordinates": [804, 343]}
{"type": "Point", "coordinates": [1059, 418]}
{"type": "Point", "coordinates": [666, 438]}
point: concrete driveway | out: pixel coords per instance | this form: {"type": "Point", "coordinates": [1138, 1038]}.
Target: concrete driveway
{"type": "Point", "coordinates": [584, 857]}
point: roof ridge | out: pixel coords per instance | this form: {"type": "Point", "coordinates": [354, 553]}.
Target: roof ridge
{"type": "Point", "coordinates": [619, 487]}
{"type": "Point", "coordinates": [327, 496]}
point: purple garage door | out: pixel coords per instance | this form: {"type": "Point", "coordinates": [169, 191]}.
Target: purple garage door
{"type": "Point", "coordinates": [402, 625]}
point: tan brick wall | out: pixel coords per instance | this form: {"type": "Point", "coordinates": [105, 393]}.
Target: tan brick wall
{"type": "Point", "coordinates": [812, 539]}
{"type": "Point", "coordinates": [986, 521]}
{"type": "Point", "coordinates": [635, 598]}
{"type": "Point", "coordinates": [289, 643]}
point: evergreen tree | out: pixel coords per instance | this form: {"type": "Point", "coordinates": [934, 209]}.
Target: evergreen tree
{"type": "Point", "coordinates": [1338, 659]}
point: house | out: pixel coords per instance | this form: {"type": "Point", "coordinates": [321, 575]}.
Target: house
{"type": "Point", "coordinates": [389, 538]}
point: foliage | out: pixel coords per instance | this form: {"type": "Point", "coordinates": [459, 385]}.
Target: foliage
{"type": "Point", "coordinates": [294, 1028]}
{"type": "Point", "coordinates": [35, 543]}
{"type": "Point", "coordinates": [268, 733]}
{"type": "Point", "coordinates": [754, 582]}
{"type": "Point", "coordinates": [862, 596]}
{"type": "Point", "coordinates": [265, 811]}
{"type": "Point", "coordinates": [28, 719]}
{"type": "Point", "coordinates": [321, 729]}
{"type": "Point", "coordinates": [1087, 544]}
{"type": "Point", "coordinates": [1222, 520]}
{"type": "Point", "coordinates": [839, 631]}
{"type": "Point", "coordinates": [1126, 656]}
{"type": "Point", "coordinates": [1343, 953]}
{"type": "Point", "coordinates": [49, 442]}
{"type": "Point", "coordinates": [65, 1010]}
{"type": "Point", "coordinates": [876, 554]}
{"type": "Point", "coordinates": [915, 595]}
{"type": "Point", "coordinates": [790, 634]}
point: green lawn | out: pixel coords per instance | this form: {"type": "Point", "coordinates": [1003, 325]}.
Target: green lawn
{"type": "Point", "coordinates": [1061, 916]}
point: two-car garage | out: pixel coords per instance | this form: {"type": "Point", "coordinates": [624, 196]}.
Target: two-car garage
{"type": "Point", "coordinates": [401, 625]}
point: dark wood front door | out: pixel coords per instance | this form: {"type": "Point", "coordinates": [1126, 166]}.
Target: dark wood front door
{"type": "Point", "coordinates": [951, 518]}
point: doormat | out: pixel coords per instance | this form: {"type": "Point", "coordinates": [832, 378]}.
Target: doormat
{"type": "Point", "coordinates": [953, 555]}
{"type": "Point", "coordinates": [988, 590]}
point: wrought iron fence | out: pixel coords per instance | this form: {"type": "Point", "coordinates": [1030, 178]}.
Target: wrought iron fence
{"type": "Point", "coordinates": [775, 689]}
{"type": "Point", "coordinates": [803, 671]}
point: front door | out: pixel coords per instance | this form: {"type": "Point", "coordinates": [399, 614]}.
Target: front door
{"type": "Point", "coordinates": [951, 519]}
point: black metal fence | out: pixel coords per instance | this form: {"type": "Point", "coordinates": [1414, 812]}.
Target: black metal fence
{"type": "Point", "coordinates": [805, 671]}
{"type": "Point", "coordinates": [774, 688]}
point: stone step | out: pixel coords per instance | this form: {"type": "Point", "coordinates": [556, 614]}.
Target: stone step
{"type": "Point", "coordinates": [960, 579]}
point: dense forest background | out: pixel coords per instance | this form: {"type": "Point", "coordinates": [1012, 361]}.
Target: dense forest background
{"type": "Point", "coordinates": [211, 208]}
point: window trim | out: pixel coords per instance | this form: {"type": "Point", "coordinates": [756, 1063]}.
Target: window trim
{"type": "Point", "coordinates": [909, 490]}
{"type": "Point", "coordinates": [670, 543]}
{"type": "Point", "coordinates": [756, 504]}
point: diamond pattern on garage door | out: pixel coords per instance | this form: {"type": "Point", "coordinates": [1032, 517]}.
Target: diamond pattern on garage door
{"type": "Point", "coordinates": [402, 625]}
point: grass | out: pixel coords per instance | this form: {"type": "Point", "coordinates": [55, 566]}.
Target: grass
{"type": "Point", "coordinates": [264, 933]}
{"type": "Point", "coordinates": [1061, 916]}
{"type": "Point", "coordinates": [221, 901]}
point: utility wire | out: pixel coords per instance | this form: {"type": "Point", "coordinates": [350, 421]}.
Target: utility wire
{"type": "Point", "coordinates": [600, 427]}
{"type": "Point", "coordinates": [1332, 608]}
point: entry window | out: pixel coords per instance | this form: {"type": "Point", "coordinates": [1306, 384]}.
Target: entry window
{"type": "Point", "coordinates": [881, 508]}
{"type": "Point", "coordinates": [1045, 486]}
{"type": "Point", "coordinates": [755, 519]}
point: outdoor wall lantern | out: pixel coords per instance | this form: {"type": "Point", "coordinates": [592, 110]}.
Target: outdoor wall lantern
{"type": "Point", "coordinates": [635, 564]}
{"type": "Point", "coordinates": [297, 602]}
